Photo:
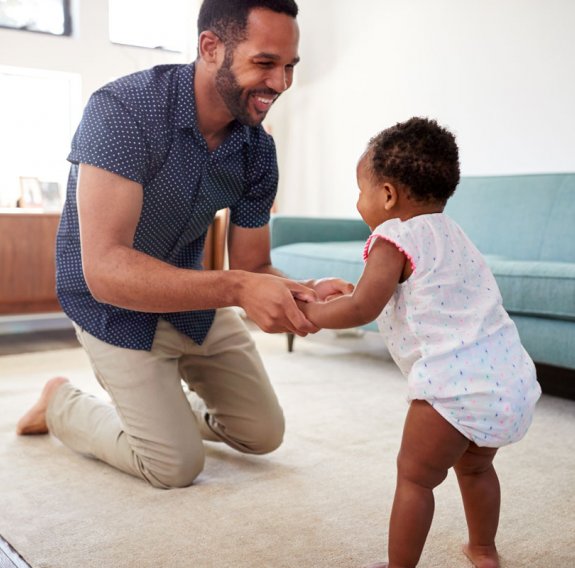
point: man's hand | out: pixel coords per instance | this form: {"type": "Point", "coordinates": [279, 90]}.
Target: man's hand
{"type": "Point", "coordinates": [329, 288]}
{"type": "Point", "coordinates": [269, 301]}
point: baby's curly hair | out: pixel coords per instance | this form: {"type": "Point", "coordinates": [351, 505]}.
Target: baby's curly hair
{"type": "Point", "coordinates": [420, 155]}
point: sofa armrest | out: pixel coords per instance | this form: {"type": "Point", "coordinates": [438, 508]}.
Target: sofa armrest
{"type": "Point", "coordinates": [285, 229]}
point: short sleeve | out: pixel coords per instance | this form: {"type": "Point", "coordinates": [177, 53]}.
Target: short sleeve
{"type": "Point", "coordinates": [399, 234]}
{"type": "Point", "coordinates": [109, 137]}
{"type": "Point", "coordinates": [253, 208]}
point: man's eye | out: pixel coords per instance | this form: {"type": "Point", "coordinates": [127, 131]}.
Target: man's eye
{"type": "Point", "coordinates": [265, 64]}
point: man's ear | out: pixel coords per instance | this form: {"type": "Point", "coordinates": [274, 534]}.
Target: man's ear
{"type": "Point", "coordinates": [390, 195]}
{"type": "Point", "coordinates": [210, 47]}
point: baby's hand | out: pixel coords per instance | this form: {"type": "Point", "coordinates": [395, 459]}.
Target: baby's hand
{"type": "Point", "coordinates": [334, 296]}
{"type": "Point", "coordinates": [302, 304]}
{"type": "Point", "coordinates": [329, 288]}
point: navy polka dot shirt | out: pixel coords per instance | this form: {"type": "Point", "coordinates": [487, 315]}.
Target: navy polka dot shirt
{"type": "Point", "coordinates": [144, 128]}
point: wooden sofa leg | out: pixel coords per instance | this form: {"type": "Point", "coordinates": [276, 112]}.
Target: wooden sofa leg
{"type": "Point", "coordinates": [290, 338]}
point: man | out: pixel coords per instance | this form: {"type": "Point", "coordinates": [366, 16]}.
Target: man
{"type": "Point", "coordinates": [156, 155]}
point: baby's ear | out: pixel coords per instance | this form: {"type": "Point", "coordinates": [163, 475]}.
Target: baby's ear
{"type": "Point", "coordinates": [390, 195]}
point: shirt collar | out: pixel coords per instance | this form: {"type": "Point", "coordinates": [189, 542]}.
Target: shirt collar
{"type": "Point", "coordinates": [186, 112]}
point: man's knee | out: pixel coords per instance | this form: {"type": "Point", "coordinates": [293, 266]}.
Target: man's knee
{"type": "Point", "coordinates": [264, 436]}
{"type": "Point", "coordinates": [181, 471]}
{"type": "Point", "coordinates": [268, 443]}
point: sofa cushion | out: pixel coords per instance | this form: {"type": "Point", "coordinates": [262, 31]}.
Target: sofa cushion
{"type": "Point", "coordinates": [536, 288]}
{"type": "Point", "coordinates": [301, 261]}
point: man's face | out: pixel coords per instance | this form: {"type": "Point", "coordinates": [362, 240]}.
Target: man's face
{"type": "Point", "coordinates": [260, 68]}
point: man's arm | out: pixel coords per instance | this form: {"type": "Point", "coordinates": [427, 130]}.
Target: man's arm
{"type": "Point", "coordinates": [242, 246]}
{"type": "Point", "coordinates": [109, 208]}
{"type": "Point", "coordinates": [383, 271]}
{"type": "Point", "coordinates": [249, 250]}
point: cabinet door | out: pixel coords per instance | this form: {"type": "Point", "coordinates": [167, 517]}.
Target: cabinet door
{"type": "Point", "coordinates": [27, 260]}
{"type": "Point", "coordinates": [27, 263]}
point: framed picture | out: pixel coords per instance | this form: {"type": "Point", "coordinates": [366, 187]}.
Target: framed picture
{"type": "Point", "coordinates": [51, 198]}
{"type": "Point", "coordinates": [44, 16]}
{"type": "Point", "coordinates": [30, 193]}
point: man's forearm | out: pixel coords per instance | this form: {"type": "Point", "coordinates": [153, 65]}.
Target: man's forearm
{"type": "Point", "coordinates": [136, 281]}
{"type": "Point", "coordinates": [269, 269]}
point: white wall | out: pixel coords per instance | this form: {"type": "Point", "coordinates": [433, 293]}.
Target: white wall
{"type": "Point", "coordinates": [89, 52]}
{"type": "Point", "coordinates": [499, 73]}
{"type": "Point", "coordinates": [34, 142]}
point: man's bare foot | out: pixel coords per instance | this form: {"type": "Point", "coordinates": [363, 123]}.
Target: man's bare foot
{"type": "Point", "coordinates": [34, 421]}
{"type": "Point", "coordinates": [379, 565]}
{"type": "Point", "coordinates": [482, 556]}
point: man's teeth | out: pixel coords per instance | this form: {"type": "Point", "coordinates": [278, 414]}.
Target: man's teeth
{"type": "Point", "coordinates": [265, 101]}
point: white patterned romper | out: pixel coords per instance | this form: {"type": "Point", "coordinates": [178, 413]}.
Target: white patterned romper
{"type": "Point", "coordinates": [448, 332]}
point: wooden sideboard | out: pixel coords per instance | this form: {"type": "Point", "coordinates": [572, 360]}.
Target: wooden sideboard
{"type": "Point", "coordinates": [27, 259]}
{"type": "Point", "coordinates": [27, 272]}
{"type": "Point", "coordinates": [216, 242]}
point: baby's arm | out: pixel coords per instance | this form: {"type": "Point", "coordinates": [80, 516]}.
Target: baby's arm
{"type": "Point", "coordinates": [383, 271]}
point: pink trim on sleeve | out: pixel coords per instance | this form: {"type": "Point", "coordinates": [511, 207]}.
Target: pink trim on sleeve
{"type": "Point", "coordinates": [367, 248]}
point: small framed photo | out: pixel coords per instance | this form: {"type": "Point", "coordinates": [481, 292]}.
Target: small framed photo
{"type": "Point", "coordinates": [51, 198]}
{"type": "Point", "coordinates": [30, 193]}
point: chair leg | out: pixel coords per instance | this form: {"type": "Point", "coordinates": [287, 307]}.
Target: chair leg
{"type": "Point", "coordinates": [290, 339]}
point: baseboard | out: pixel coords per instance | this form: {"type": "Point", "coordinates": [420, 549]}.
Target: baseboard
{"type": "Point", "coordinates": [12, 324]}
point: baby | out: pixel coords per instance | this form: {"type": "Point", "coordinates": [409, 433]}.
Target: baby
{"type": "Point", "coordinates": [471, 385]}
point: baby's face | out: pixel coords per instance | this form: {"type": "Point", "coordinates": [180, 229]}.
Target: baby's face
{"type": "Point", "coordinates": [371, 199]}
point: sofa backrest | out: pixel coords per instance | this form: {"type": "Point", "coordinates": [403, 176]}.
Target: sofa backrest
{"type": "Point", "coordinates": [523, 217]}
{"type": "Point", "coordinates": [286, 230]}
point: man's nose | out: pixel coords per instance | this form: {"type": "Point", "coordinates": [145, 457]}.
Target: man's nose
{"type": "Point", "coordinates": [279, 80]}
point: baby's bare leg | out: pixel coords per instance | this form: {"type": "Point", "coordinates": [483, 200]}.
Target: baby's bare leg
{"type": "Point", "coordinates": [429, 447]}
{"type": "Point", "coordinates": [481, 495]}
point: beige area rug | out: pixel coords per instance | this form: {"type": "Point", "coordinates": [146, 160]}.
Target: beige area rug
{"type": "Point", "coordinates": [322, 500]}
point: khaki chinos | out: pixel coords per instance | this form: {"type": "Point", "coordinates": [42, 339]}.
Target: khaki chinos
{"type": "Point", "coordinates": [154, 429]}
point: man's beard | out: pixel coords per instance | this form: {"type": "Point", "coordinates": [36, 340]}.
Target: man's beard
{"type": "Point", "coordinates": [232, 93]}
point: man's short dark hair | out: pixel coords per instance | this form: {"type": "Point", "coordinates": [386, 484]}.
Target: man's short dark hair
{"type": "Point", "coordinates": [419, 154]}
{"type": "Point", "coordinates": [228, 19]}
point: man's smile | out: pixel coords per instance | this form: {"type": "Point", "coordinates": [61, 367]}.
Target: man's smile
{"type": "Point", "coordinates": [263, 102]}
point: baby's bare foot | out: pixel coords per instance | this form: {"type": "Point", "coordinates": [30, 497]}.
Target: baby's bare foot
{"type": "Point", "coordinates": [34, 421]}
{"type": "Point", "coordinates": [482, 556]}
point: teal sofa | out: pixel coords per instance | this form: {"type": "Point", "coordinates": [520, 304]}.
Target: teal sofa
{"type": "Point", "coordinates": [523, 224]}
